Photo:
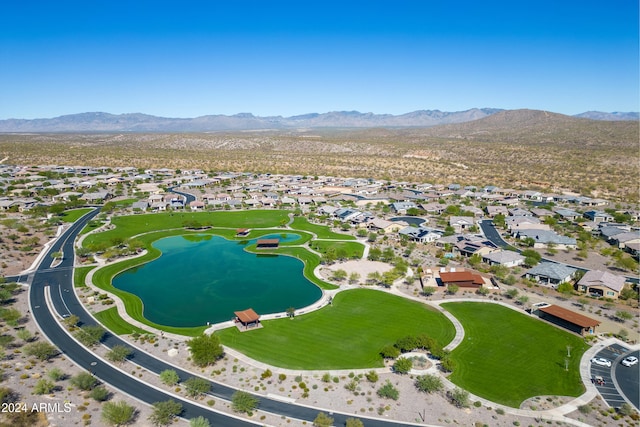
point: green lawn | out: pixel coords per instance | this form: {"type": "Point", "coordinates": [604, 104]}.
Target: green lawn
{"type": "Point", "coordinates": [130, 225]}
{"type": "Point", "coordinates": [341, 249]}
{"type": "Point", "coordinates": [80, 274]}
{"type": "Point", "coordinates": [74, 214]}
{"type": "Point", "coordinates": [508, 357]}
{"type": "Point", "coordinates": [348, 334]}
{"type": "Point", "coordinates": [322, 231]}
{"type": "Point", "coordinates": [116, 324]}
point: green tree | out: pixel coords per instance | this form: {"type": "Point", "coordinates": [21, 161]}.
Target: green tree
{"type": "Point", "coordinates": [428, 383]}
{"type": "Point", "coordinates": [90, 335]}
{"type": "Point", "coordinates": [71, 321]}
{"type": "Point", "coordinates": [291, 312]}
{"type": "Point", "coordinates": [353, 422]}
{"type": "Point", "coordinates": [511, 293]}
{"type": "Point", "coordinates": [99, 394]}
{"type": "Point", "coordinates": [24, 334]}
{"type": "Point", "coordinates": [354, 277]}
{"type": "Point", "coordinates": [195, 386]}
{"type": "Point", "coordinates": [339, 275]}
{"type": "Point", "coordinates": [428, 291]}
{"type": "Point", "coordinates": [118, 413]}
{"type": "Point", "coordinates": [41, 350]}
{"type": "Point", "coordinates": [390, 352]}
{"type": "Point", "coordinates": [626, 410]}
{"type": "Point", "coordinates": [402, 365]}
{"type": "Point", "coordinates": [323, 420]}
{"type": "Point", "coordinates": [388, 391]}
{"type": "Point", "coordinates": [565, 288]}
{"type": "Point", "coordinates": [84, 381]}
{"type": "Point", "coordinates": [169, 377]}
{"type": "Point", "coordinates": [44, 386]}
{"type": "Point", "coordinates": [372, 376]}
{"type": "Point", "coordinates": [119, 353]}
{"type": "Point", "coordinates": [199, 422]}
{"type": "Point", "coordinates": [624, 315]}
{"type": "Point", "coordinates": [56, 374]}
{"type": "Point", "coordinates": [459, 397]}
{"type": "Point", "coordinates": [452, 289]}
{"type": "Point", "coordinates": [241, 401]}
{"type": "Point", "coordinates": [205, 349]}
{"type": "Point", "coordinates": [375, 254]}
{"type": "Point", "coordinates": [165, 412]}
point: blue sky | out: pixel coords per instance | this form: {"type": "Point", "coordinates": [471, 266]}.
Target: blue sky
{"type": "Point", "coordinates": [192, 58]}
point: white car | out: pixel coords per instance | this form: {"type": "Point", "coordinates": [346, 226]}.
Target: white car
{"type": "Point", "coordinates": [629, 361]}
{"type": "Point", "coordinates": [601, 361]}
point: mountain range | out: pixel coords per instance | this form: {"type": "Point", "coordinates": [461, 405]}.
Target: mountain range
{"type": "Point", "coordinates": [137, 122]}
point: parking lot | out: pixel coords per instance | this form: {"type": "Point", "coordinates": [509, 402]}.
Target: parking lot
{"type": "Point", "coordinates": [625, 377]}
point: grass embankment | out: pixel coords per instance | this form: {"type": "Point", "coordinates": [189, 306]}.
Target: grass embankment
{"type": "Point", "coordinates": [508, 357]}
{"type": "Point", "coordinates": [131, 225]}
{"type": "Point", "coordinates": [321, 231]}
{"type": "Point", "coordinates": [348, 334]}
{"type": "Point", "coordinates": [74, 214]}
{"type": "Point", "coordinates": [351, 250]}
{"type": "Point", "coordinates": [80, 274]}
{"type": "Point", "coordinates": [116, 324]}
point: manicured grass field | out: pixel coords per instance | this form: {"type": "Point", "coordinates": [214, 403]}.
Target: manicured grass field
{"type": "Point", "coordinates": [116, 324]}
{"type": "Point", "coordinates": [508, 357]}
{"type": "Point", "coordinates": [348, 334]}
{"type": "Point", "coordinates": [74, 214]}
{"type": "Point", "coordinates": [131, 225]}
{"type": "Point", "coordinates": [347, 249]}
{"type": "Point", "coordinates": [323, 232]}
{"type": "Point", "coordinates": [80, 274]}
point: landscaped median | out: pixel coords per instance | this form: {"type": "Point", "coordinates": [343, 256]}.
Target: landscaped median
{"type": "Point", "coordinates": [508, 357]}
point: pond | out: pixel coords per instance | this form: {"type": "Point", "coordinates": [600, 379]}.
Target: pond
{"type": "Point", "coordinates": [204, 278]}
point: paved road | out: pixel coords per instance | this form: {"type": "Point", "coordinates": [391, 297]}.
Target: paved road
{"type": "Point", "coordinates": [58, 281]}
{"type": "Point", "coordinates": [188, 197]}
{"type": "Point", "coordinates": [628, 378]}
{"type": "Point", "coordinates": [492, 234]}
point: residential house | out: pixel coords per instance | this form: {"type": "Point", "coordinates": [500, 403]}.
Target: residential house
{"type": "Point", "coordinates": [505, 258]}
{"type": "Point", "coordinates": [598, 216]}
{"type": "Point", "coordinates": [550, 273]}
{"type": "Point", "coordinates": [401, 208]}
{"type": "Point", "coordinates": [567, 214]}
{"type": "Point", "coordinates": [420, 234]}
{"type": "Point", "coordinates": [461, 223]}
{"type": "Point", "coordinates": [492, 211]}
{"type": "Point", "coordinates": [624, 239]}
{"type": "Point", "coordinates": [544, 238]}
{"type": "Point", "coordinates": [385, 226]}
{"type": "Point", "coordinates": [601, 284]}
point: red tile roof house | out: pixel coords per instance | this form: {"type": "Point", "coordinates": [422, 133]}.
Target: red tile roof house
{"type": "Point", "coordinates": [463, 279]}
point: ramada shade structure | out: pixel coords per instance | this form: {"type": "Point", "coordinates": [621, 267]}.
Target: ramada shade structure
{"type": "Point", "coordinates": [247, 317]}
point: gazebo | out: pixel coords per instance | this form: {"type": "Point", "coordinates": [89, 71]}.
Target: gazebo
{"type": "Point", "coordinates": [247, 318]}
{"type": "Point", "coordinates": [267, 243]}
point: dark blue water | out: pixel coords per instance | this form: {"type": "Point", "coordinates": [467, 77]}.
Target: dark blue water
{"type": "Point", "coordinates": [200, 279]}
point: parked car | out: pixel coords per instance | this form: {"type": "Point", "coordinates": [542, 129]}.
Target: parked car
{"type": "Point", "coordinates": [601, 361]}
{"type": "Point", "coordinates": [629, 361]}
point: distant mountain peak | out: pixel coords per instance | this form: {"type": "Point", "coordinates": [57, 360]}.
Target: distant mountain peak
{"type": "Point", "coordinates": [140, 122]}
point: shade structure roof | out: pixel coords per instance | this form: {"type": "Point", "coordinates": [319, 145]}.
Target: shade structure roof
{"type": "Point", "coordinates": [247, 316]}
{"type": "Point", "coordinates": [570, 316]}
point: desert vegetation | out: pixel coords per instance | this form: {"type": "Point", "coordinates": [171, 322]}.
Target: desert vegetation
{"type": "Point", "coordinates": [547, 153]}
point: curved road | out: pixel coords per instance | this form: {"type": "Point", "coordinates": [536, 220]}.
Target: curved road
{"type": "Point", "coordinates": [59, 284]}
